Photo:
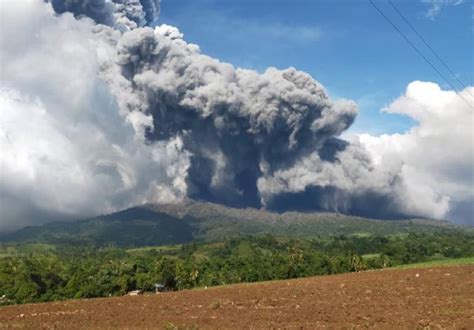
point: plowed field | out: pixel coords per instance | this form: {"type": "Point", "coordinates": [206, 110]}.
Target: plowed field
{"type": "Point", "coordinates": [438, 297]}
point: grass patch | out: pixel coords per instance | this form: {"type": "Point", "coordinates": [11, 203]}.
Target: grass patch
{"type": "Point", "coordinates": [371, 256]}
{"type": "Point", "coordinates": [440, 262]}
{"type": "Point", "coordinates": [163, 248]}
{"type": "Point", "coordinates": [361, 234]}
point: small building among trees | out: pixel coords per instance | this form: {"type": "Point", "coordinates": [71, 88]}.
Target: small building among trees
{"type": "Point", "coordinates": [159, 288]}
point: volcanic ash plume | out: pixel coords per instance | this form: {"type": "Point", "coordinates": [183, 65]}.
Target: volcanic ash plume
{"type": "Point", "coordinates": [103, 112]}
{"type": "Point", "coordinates": [253, 137]}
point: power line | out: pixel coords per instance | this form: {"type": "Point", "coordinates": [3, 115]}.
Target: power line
{"type": "Point", "coordinates": [463, 85]}
{"type": "Point", "coordinates": [417, 50]}
{"type": "Point", "coordinates": [411, 44]}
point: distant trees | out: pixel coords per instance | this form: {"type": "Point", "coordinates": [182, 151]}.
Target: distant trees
{"type": "Point", "coordinates": [67, 272]}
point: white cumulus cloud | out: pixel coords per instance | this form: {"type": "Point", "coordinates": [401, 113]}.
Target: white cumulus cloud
{"type": "Point", "coordinates": [437, 155]}
{"type": "Point", "coordinates": [71, 144]}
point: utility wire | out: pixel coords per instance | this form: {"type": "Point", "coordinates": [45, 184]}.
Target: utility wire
{"type": "Point", "coordinates": [418, 51]}
{"type": "Point", "coordinates": [463, 85]}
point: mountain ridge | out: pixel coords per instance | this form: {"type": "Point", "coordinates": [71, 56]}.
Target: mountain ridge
{"type": "Point", "coordinates": [164, 224]}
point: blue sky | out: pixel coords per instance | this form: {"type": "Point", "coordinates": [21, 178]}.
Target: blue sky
{"type": "Point", "coordinates": [344, 44]}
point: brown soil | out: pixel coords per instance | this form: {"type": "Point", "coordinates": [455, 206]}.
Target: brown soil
{"type": "Point", "coordinates": [439, 297]}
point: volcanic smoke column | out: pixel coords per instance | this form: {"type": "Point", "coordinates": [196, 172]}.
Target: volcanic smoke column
{"type": "Point", "coordinates": [252, 136]}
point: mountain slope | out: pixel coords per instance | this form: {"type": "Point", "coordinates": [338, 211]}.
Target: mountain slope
{"type": "Point", "coordinates": [163, 224]}
{"type": "Point", "coordinates": [136, 226]}
{"type": "Point", "coordinates": [215, 221]}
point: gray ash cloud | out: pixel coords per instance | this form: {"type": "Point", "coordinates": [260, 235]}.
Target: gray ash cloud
{"type": "Point", "coordinates": [269, 139]}
{"type": "Point", "coordinates": [121, 14]}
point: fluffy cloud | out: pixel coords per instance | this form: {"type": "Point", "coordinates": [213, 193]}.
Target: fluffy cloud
{"type": "Point", "coordinates": [70, 147]}
{"type": "Point", "coordinates": [436, 155]}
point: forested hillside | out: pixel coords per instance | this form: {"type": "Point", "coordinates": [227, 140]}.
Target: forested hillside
{"type": "Point", "coordinates": [182, 223]}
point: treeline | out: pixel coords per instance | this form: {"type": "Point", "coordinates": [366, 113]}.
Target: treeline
{"type": "Point", "coordinates": [72, 272]}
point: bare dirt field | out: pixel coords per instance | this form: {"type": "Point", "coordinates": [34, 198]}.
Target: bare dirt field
{"type": "Point", "coordinates": [438, 297]}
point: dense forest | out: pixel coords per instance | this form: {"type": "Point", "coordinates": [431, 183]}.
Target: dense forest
{"type": "Point", "coordinates": [40, 272]}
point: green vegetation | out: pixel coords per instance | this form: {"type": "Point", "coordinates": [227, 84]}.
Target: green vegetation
{"type": "Point", "coordinates": [439, 262]}
{"type": "Point", "coordinates": [36, 273]}
{"type": "Point", "coordinates": [201, 244]}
